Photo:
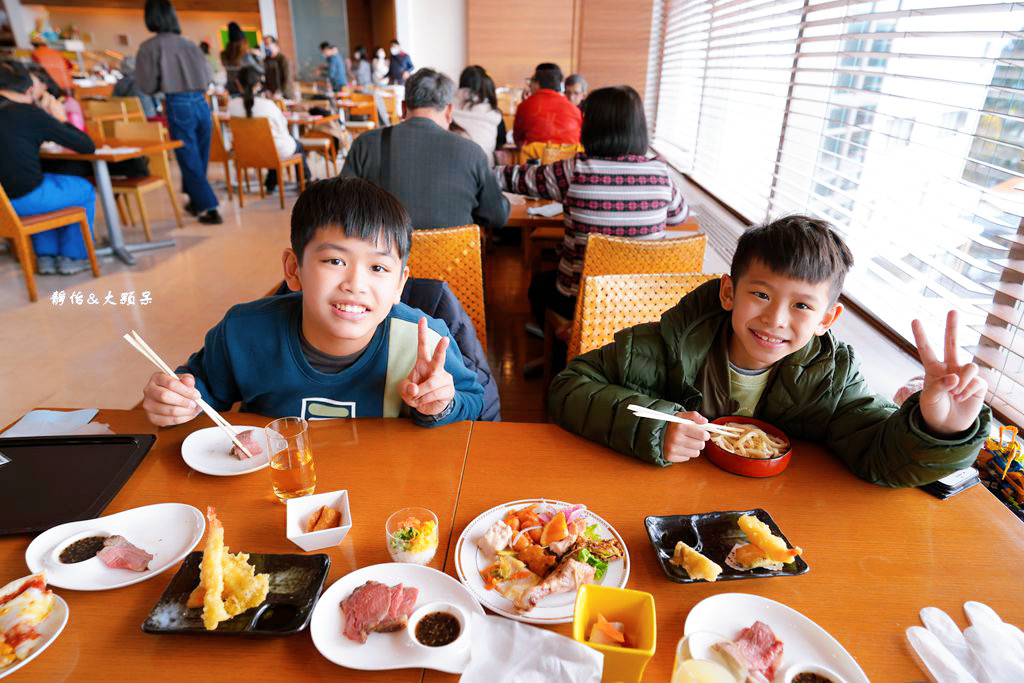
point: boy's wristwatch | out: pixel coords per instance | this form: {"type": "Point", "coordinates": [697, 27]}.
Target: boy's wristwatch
{"type": "Point", "coordinates": [440, 416]}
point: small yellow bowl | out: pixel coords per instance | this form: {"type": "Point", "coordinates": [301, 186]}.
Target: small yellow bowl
{"type": "Point", "coordinates": [635, 609]}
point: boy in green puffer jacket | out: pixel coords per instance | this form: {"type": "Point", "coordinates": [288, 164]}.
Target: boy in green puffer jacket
{"type": "Point", "coordinates": [757, 343]}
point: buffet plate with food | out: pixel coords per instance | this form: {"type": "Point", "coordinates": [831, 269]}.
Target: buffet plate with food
{"type": "Point", "coordinates": [210, 451]}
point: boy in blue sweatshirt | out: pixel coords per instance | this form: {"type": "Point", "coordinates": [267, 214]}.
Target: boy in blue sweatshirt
{"type": "Point", "coordinates": [341, 344]}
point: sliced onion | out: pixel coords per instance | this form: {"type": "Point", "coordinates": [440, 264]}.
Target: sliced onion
{"type": "Point", "coordinates": [575, 512]}
{"type": "Point", "coordinates": [512, 543]}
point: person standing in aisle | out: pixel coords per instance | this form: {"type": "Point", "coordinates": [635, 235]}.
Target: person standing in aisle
{"type": "Point", "coordinates": [401, 66]}
{"type": "Point", "coordinates": [172, 65]}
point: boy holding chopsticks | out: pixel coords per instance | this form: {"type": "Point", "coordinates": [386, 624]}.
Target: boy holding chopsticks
{"type": "Point", "coordinates": [340, 344]}
{"type": "Point", "coordinates": [757, 342]}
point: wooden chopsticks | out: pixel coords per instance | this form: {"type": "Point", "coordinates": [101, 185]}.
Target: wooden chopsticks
{"type": "Point", "coordinates": [142, 347]}
{"type": "Point", "coordinates": [649, 413]}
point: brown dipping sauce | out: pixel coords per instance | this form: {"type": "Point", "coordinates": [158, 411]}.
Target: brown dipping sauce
{"type": "Point", "coordinates": [82, 550]}
{"type": "Point", "coordinates": [811, 678]}
{"type": "Point", "coordinates": [437, 629]}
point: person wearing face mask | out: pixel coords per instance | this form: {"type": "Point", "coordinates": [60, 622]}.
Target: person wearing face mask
{"type": "Point", "coordinates": [380, 67]}
{"type": "Point", "coordinates": [441, 178]}
{"type": "Point", "coordinates": [361, 67]}
{"type": "Point", "coordinates": [400, 66]}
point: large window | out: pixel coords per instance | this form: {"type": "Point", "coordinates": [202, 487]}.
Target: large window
{"type": "Point", "coordinates": [902, 122]}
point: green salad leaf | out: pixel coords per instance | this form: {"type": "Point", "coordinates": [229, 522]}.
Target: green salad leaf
{"type": "Point", "coordinates": [600, 567]}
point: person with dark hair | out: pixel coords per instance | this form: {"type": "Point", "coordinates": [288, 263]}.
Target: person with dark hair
{"type": "Point", "coordinates": [476, 110]}
{"type": "Point", "coordinates": [546, 115]}
{"type": "Point", "coordinates": [361, 67]}
{"type": "Point", "coordinates": [172, 65]}
{"type": "Point", "coordinates": [251, 103]}
{"type": "Point", "coordinates": [341, 344]}
{"type": "Point", "coordinates": [400, 66]}
{"type": "Point", "coordinates": [27, 119]}
{"type": "Point", "coordinates": [576, 88]}
{"type": "Point", "coordinates": [236, 55]}
{"type": "Point", "coordinates": [613, 189]}
{"type": "Point", "coordinates": [757, 342]}
{"type": "Point", "coordinates": [334, 69]}
{"type": "Point", "coordinates": [440, 177]}
{"type": "Point", "coordinates": [380, 67]}
{"type": "Point", "coordinates": [278, 78]}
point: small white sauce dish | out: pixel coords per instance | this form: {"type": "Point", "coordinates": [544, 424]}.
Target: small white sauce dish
{"type": "Point", "coordinates": [299, 511]}
{"type": "Point", "coordinates": [53, 559]}
{"type": "Point", "coordinates": [430, 608]}
{"type": "Point", "coordinates": [794, 670]}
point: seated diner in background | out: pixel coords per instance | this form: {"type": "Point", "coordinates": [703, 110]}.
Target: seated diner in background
{"type": "Point", "coordinates": [599, 191]}
{"type": "Point", "coordinates": [341, 344]}
{"type": "Point", "coordinates": [441, 178]}
{"type": "Point", "coordinates": [757, 343]}
{"type": "Point", "coordinates": [475, 110]}
{"type": "Point", "coordinates": [250, 103]}
{"type": "Point", "coordinates": [28, 118]}
{"type": "Point", "coordinates": [576, 88]}
{"type": "Point", "coordinates": [547, 115]}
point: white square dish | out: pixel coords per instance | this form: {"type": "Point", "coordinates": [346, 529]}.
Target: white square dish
{"type": "Point", "coordinates": [299, 510]}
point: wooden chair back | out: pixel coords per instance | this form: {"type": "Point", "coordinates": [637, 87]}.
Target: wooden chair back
{"type": "Point", "coordinates": [609, 303]}
{"type": "Point", "coordinates": [365, 105]}
{"type": "Point", "coordinates": [10, 223]}
{"type": "Point", "coordinates": [253, 144]}
{"type": "Point", "coordinates": [218, 150]}
{"type": "Point", "coordinates": [159, 164]}
{"type": "Point", "coordinates": [548, 152]}
{"type": "Point", "coordinates": [132, 108]}
{"type": "Point", "coordinates": [105, 90]}
{"type": "Point", "coordinates": [105, 113]}
{"type": "Point", "coordinates": [453, 255]}
{"type": "Point", "coordinates": [608, 255]}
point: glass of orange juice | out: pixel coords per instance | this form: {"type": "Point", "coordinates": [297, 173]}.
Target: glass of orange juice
{"type": "Point", "coordinates": [291, 458]}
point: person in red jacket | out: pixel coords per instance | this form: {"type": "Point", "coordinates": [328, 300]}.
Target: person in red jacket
{"type": "Point", "coordinates": [547, 115]}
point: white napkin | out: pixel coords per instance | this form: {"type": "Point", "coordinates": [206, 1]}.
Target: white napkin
{"type": "Point", "coordinates": [106, 149]}
{"type": "Point", "coordinates": [506, 650]}
{"type": "Point", "coordinates": [988, 651]}
{"type": "Point", "coordinates": [548, 210]}
{"type": "Point", "coordinates": [57, 423]}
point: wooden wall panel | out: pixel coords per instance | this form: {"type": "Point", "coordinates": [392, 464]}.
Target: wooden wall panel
{"type": "Point", "coordinates": [179, 5]}
{"type": "Point", "coordinates": [285, 33]}
{"type": "Point", "coordinates": [614, 42]}
{"type": "Point", "coordinates": [370, 24]}
{"type": "Point", "coordinates": [510, 38]}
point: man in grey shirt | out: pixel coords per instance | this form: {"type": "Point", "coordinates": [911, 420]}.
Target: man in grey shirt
{"type": "Point", "coordinates": [441, 178]}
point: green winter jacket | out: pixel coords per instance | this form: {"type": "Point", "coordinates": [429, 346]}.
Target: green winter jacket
{"type": "Point", "coordinates": [816, 394]}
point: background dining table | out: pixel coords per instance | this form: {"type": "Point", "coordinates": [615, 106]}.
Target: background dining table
{"type": "Point", "coordinates": [876, 555]}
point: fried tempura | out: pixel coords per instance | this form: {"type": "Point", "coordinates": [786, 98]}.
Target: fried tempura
{"type": "Point", "coordinates": [771, 545]}
{"type": "Point", "coordinates": [697, 566]}
{"type": "Point", "coordinates": [228, 584]}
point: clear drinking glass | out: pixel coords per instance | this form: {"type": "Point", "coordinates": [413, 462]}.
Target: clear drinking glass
{"type": "Point", "coordinates": [291, 458]}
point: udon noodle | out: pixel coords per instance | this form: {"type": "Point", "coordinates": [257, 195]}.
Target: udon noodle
{"type": "Point", "coordinates": [750, 441]}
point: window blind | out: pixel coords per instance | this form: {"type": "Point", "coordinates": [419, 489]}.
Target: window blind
{"type": "Point", "coordinates": [901, 122]}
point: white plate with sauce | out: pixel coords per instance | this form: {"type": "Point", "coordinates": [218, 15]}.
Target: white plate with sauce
{"type": "Point", "coordinates": [209, 451]}
{"type": "Point", "coordinates": [167, 531]}
{"type": "Point", "coordinates": [389, 650]}
{"type": "Point", "coordinates": [49, 628]}
{"type": "Point", "coordinates": [803, 640]}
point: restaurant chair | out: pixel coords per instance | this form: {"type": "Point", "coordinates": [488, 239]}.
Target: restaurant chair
{"type": "Point", "coordinates": [159, 171]}
{"type": "Point", "coordinates": [453, 255]}
{"type": "Point", "coordinates": [105, 113]}
{"type": "Point", "coordinates": [19, 228]}
{"type": "Point", "coordinates": [391, 107]}
{"type": "Point", "coordinates": [254, 148]}
{"type": "Point", "coordinates": [548, 152]}
{"type": "Point", "coordinates": [325, 145]}
{"type": "Point", "coordinates": [609, 303]}
{"type": "Point", "coordinates": [607, 255]}
{"type": "Point", "coordinates": [79, 91]}
{"type": "Point", "coordinates": [364, 105]}
{"type": "Point", "coordinates": [220, 153]}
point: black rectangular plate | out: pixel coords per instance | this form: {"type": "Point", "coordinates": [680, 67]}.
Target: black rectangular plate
{"type": "Point", "coordinates": [52, 480]}
{"type": "Point", "coordinates": [295, 585]}
{"type": "Point", "coordinates": [712, 534]}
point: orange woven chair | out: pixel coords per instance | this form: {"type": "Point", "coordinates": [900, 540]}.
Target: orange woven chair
{"type": "Point", "coordinates": [607, 255]}
{"type": "Point", "coordinates": [453, 255]}
{"type": "Point", "coordinates": [254, 148]}
{"type": "Point", "coordinates": [159, 168]}
{"type": "Point", "coordinates": [18, 228]}
{"type": "Point", "coordinates": [609, 303]}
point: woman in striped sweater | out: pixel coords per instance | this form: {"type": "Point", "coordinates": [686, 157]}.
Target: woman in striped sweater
{"type": "Point", "coordinates": [613, 188]}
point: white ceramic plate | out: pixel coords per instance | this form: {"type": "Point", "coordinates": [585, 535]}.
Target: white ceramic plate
{"type": "Point", "coordinates": [49, 629]}
{"type": "Point", "coordinates": [209, 451]}
{"type": "Point", "coordinates": [168, 531]}
{"type": "Point", "coordinates": [554, 609]}
{"type": "Point", "coordinates": [803, 640]}
{"type": "Point", "coordinates": [389, 650]}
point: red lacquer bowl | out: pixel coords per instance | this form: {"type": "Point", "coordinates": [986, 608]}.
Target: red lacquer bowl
{"type": "Point", "coordinates": [749, 467]}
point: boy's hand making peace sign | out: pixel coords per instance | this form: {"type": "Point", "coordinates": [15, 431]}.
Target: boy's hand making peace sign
{"type": "Point", "coordinates": [428, 388]}
{"type": "Point", "coordinates": [953, 393]}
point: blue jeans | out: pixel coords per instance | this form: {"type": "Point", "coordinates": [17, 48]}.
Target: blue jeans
{"type": "Point", "coordinates": [59, 192]}
{"type": "Point", "coordinates": [188, 117]}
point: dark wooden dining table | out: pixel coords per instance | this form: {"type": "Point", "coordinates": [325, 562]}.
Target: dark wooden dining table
{"type": "Point", "coordinates": [876, 555]}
